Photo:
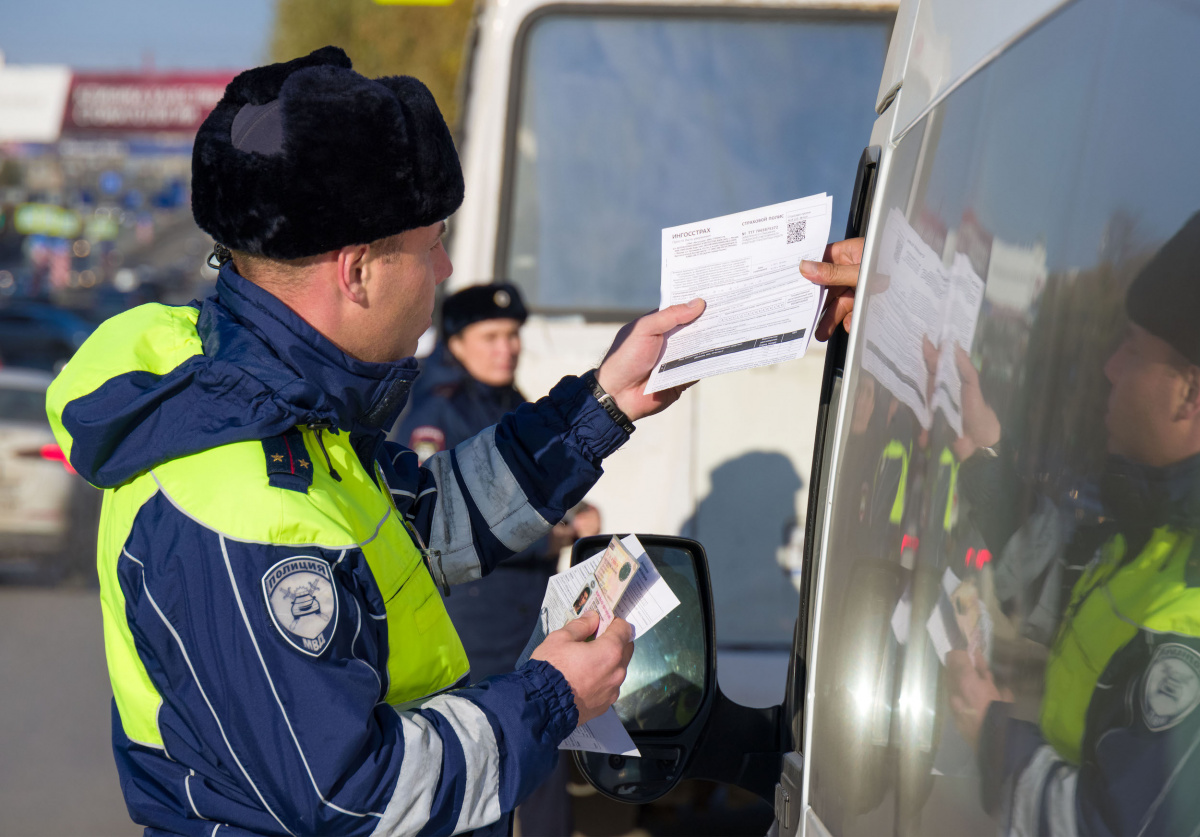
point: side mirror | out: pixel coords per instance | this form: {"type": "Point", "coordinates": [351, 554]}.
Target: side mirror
{"type": "Point", "coordinates": [670, 703]}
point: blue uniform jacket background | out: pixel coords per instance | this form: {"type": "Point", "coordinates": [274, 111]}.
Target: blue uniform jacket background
{"type": "Point", "coordinates": [494, 616]}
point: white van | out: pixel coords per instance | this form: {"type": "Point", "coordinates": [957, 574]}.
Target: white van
{"type": "Point", "coordinates": [999, 618]}
{"type": "Point", "coordinates": [587, 128]}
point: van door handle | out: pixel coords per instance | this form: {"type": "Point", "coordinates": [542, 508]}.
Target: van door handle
{"type": "Point", "coordinates": [864, 192]}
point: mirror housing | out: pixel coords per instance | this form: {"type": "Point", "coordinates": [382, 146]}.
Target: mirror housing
{"type": "Point", "coordinates": [710, 737]}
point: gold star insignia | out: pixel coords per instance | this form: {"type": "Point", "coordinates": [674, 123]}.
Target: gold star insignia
{"type": "Point", "coordinates": [303, 463]}
{"type": "Point", "coordinates": [277, 457]}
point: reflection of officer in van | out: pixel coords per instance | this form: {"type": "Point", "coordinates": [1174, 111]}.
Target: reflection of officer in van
{"type": "Point", "coordinates": [1114, 751]}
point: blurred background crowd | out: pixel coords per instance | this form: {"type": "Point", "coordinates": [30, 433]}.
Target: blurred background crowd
{"type": "Point", "coordinates": [98, 108]}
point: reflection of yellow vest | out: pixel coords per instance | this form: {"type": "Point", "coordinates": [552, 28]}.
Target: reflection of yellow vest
{"type": "Point", "coordinates": [895, 450]}
{"type": "Point", "coordinates": [1108, 606]}
{"type": "Point", "coordinates": [226, 489]}
{"type": "Point", "coordinates": [947, 461]}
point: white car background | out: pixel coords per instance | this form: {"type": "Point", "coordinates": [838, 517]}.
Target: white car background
{"type": "Point", "coordinates": [48, 513]}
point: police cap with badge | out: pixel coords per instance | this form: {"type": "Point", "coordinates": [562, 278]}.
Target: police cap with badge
{"type": "Point", "coordinates": [308, 156]}
{"type": "Point", "coordinates": [498, 301]}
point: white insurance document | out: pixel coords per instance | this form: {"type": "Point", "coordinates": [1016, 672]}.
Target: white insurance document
{"type": "Point", "coordinates": [925, 300]}
{"type": "Point", "coordinates": [647, 600]}
{"type": "Point", "coordinates": [746, 267]}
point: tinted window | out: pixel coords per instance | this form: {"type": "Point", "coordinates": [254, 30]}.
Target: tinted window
{"type": "Point", "coordinates": [629, 125]}
{"type": "Point", "coordinates": [1011, 625]}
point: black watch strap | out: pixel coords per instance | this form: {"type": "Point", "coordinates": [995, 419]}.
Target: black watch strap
{"type": "Point", "coordinates": [607, 402]}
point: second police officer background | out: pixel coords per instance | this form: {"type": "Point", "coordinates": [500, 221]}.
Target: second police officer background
{"type": "Point", "coordinates": [467, 384]}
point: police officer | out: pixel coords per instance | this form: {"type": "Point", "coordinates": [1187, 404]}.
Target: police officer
{"type": "Point", "coordinates": [466, 385]}
{"type": "Point", "coordinates": [271, 568]}
{"type": "Point", "coordinates": [467, 382]}
{"type": "Point", "coordinates": [1113, 751]}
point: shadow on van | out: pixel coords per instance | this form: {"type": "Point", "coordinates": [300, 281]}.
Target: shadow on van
{"type": "Point", "coordinates": [747, 516]}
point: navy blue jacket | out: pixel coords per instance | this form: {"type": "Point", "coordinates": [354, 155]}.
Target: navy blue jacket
{"type": "Point", "coordinates": [247, 733]}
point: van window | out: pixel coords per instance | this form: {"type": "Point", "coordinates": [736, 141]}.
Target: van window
{"type": "Point", "coordinates": [630, 124]}
{"type": "Point", "coordinates": [1010, 628]}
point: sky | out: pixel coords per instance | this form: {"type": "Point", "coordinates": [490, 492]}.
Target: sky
{"type": "Point", "coordinates": [119, 34]}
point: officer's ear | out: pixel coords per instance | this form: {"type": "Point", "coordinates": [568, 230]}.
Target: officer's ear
{"type": "Point", "coordinates": [351, 266]}
{"type": "Point", "coordinates": [1189, 407]}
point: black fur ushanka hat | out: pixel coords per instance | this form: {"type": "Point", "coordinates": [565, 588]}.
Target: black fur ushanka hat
{"type": "Point", "coordinates": [1164, 298]}
{"type": "Point", "coordinates": [308, 156]}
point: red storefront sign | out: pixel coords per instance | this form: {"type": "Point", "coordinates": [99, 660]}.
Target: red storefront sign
{"type": "Point", "coordinates": [104, 103]}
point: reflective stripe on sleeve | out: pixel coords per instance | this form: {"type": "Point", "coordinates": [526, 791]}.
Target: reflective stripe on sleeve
{"type": "Point", "coordinates": [420, 770]}
{"type": "Point", "coordinates": [481, 800]}
{"type": "Point", "coordinates": [1045, 794]}
{"type": "Point", "coordinates": [509, 514]}
{"type": "Point", "coordinates": [450, 532]}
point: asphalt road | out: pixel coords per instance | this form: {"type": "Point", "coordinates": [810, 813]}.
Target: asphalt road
{"type": "Point", "coordinates": [57, 775]}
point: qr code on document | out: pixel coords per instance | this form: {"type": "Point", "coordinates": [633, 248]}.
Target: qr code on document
{"type": "Point", "coordinates": [796, 231]}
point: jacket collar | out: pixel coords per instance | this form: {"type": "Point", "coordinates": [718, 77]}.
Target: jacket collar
{"type": "Point", "coordinates": [246, 326]}
{"type": "Point", "coordinates": [1145, 497]}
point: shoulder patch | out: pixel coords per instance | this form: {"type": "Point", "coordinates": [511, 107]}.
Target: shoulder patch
{"type": "Point", "coordinates": [302, 602]}
{"type": "Point", "coordinates": [427, 440]}
{"type": "Point", "coordinates": [1172, 686]}
{"type": "Point", "coordinates": [288, 463]}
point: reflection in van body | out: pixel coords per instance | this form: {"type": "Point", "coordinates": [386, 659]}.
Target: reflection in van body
{"type": "Point", "coordinates": [998, 625]}
{"type": "Point", "coordinates": [1050, 423]}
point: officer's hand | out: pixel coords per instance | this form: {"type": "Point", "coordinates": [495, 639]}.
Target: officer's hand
{"type": "Point", "coordinates": [595, 670]}
{"type": "Point", "coordinates": [839, 272]}
{"type": "Point", "coordinates": [981, 427]}
{"type": "Point", "coordinates": [586, 521]}
{"type": "Point", "coordinates": [931, 355]}
{"type": "Point", "coordinates": [561, 536]}
{"type": "Point", "coordinates": [972, 691]}
{"type": "Point", "coordinates": [627, 366]}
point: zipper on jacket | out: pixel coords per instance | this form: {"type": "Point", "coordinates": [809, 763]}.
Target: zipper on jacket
{"type": "Point", "coordinates": [431, 556]}
{"type": "Point", "coordinates": [317, 428]}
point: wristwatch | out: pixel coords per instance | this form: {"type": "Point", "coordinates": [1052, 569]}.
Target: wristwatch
{"type": "Point", "coordinates": [607, 402]}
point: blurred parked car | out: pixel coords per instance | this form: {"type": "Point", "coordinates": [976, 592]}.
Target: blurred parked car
{"type": "Point", "coordinates": [40, 336]}
{"type": "Point", "coordinates": [48, 514]}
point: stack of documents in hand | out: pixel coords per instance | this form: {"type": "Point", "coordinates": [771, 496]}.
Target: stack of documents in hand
{"type": "Point", "coordinates": [746, 267]}
{"type": "Point", "coordinates": [622, 581]}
